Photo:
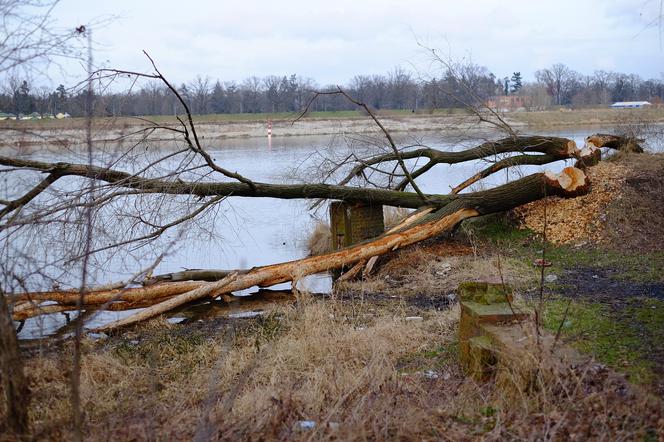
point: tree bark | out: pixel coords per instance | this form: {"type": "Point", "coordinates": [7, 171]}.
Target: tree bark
{"type": "Point", "coordinates": [104, 296]}
{"type": "Point", "coordinates": [618, 142]}
{"type": "Point", "coordinates": [14, 383]}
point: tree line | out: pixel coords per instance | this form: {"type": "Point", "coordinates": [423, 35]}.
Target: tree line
{"type": "Point", "coordinates": [398, 89]}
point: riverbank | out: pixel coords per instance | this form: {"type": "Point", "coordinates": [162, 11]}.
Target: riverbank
{"type": "Point", "coordinates": [70, 132]}
{"type": "Point", "coordinates": [379, 358]}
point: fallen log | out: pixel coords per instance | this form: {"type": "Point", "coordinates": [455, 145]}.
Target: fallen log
{"type": "Point", "coordinates": [103, 296]}
{"type": "Point", "coordinates": [193, 275]}
{"type": "Point", "coordinates": [618, 142]}
{"type": "Point", "coordinates": [570, 182]}
{"type": "Point", "coordinates": [587, 156]}
{"type": "Point", "coordinates": [37, 310]}
{"type": "Point", "coordinates": [34, 309]}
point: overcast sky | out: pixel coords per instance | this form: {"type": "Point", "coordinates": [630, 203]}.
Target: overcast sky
{"type": "Point", "coordinates": [332, 41]}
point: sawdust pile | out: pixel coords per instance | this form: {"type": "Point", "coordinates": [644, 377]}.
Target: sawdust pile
{"type": "Point", "coordinates": [576, 219]}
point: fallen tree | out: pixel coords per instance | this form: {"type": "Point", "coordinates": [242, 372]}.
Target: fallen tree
{"type": "Point", "coordinates": [570, 182]}
{"type": "Point", "coordinates": [137, 190]}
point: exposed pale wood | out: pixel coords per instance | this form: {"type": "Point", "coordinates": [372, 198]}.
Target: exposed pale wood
{"type": "Point", "coordinates": [104, 296]}
{"type": "Point", "coordinates": [206, 290]}
{"type": "Point", "coordinates": [370, 265]}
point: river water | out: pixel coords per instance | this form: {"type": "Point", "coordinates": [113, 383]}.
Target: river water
{"type": "Point", "coordinates": [252, 232]}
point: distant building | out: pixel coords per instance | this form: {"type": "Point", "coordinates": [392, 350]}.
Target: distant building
{"type": "Point", "coordinates": [630, 104]}
{"type": "Point", "coordinates": [508, 103]}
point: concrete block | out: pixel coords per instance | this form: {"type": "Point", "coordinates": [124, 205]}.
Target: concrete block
{"type": "Point", "coordinates": [485, 292]}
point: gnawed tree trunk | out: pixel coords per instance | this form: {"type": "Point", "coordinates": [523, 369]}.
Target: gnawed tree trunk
{"type": "Point", "coordinates": [618, 142]}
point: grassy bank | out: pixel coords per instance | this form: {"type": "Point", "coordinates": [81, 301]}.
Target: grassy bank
{"type": "Point", "coordinates": [607, 302]}
{"type": "Point", "coordinates": [344, 369]}
{"type": "Point", "coordinates": [589, 117]}
{"type": "Point", "coordinates": [563, 117]}
{"type": "Point", "coordinates": [378, 358]}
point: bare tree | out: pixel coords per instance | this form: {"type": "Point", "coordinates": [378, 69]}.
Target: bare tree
{"type": "Point", "coordinates": [30, 41]}
{"type": "Point", "coordinates": [30, 36]}
{"type": "Point", "coordinates": [200, 95]}
{"type": "Point", "coordinates": [560, 82]}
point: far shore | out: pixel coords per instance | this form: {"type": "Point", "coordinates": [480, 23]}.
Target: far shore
{"type": "Point", "coordinates": [70, 132]}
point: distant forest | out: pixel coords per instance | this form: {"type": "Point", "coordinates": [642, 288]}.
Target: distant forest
{"type": "Point", "coordinates": [557, 85]}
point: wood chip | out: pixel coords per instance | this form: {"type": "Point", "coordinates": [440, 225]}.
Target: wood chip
{"type": "Point", "coordinates": [575, 219]}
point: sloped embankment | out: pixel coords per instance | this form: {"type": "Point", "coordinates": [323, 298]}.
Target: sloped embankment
{"type": "Point", "coordinates": [623, 209]}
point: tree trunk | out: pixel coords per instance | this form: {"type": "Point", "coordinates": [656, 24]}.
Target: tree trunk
{"type": "Point", "coordinates": [14, 383]}
{"type": "Point", "coordinates": [625, 144]}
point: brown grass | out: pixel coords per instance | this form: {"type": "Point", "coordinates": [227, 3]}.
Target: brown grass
{"type": "Point", "coordinates": [319, 240]}
{"type": "Point", "coordinates": [358, 372]}
{"type": "Point", "coordinates": [435, 269]}
{"type": "Point", "coordinates": [577, 117]}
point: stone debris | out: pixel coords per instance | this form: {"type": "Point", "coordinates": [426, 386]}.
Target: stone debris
{"type": "Point", "coordinates": [573, 220]}
{"type": "Point", "coordinates": [306, 425]}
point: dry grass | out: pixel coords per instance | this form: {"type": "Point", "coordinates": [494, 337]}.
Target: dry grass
{"type": "Point", "coordinates": [393, 216]}
{"type": "Point", "coordinates": [435, 269]}
{"type": "Point", "coordinates": [604, 116]}
{"type": "Point", "coordinates": [319, 240]}
{"type": "Point", "coordinates": [356, 371]}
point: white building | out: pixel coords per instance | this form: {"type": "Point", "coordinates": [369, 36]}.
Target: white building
{"type": "Point", "coordinates": [630, 104]}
